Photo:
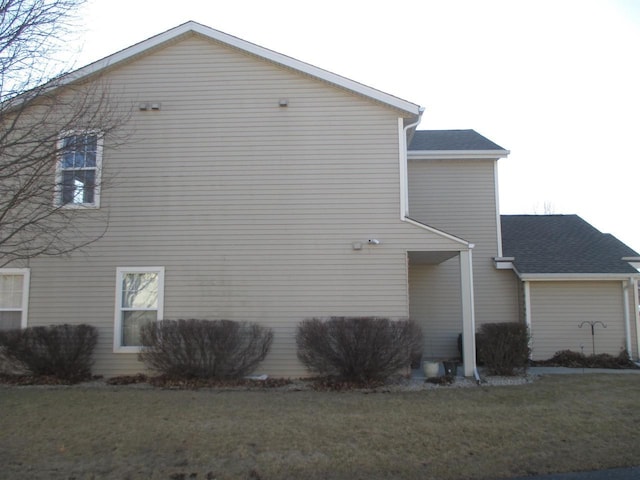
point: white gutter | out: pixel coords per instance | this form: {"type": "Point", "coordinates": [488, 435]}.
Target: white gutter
{"type": "Point", "coordinates": [458, 154]}
{"type": "Point", "coordinates": [559, 277]}
{"type": "Point", "coordinates": [404, 177]}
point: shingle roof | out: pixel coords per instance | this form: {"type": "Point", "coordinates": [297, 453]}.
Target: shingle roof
{"type": "Point", "coordinates": [426, 140]}
{"type": "Point", "coordinates": [562, 244]}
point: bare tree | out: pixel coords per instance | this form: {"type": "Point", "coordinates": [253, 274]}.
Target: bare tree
{"type": "Point", "coordinates": [51, 136]}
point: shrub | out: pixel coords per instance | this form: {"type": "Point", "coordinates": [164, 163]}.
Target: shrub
{"type": "Point", "coordinates": [503, 348]}
{"type": "Point", "coordinates": [204, 348]}
{"type": "Point", "coordinates": [360, 349]}
{"type": "Point", "coordinates": [62, 351]}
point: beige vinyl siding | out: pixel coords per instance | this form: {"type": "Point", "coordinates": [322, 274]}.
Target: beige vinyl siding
{"type": "Point", "coordinates": [251, 208]}
{"type": "Point", "coordinates": [558, 308]}
{"type": "Point", "coordinates": [434, 292]}
{"type": "Point", "coordinates": [458, 197]}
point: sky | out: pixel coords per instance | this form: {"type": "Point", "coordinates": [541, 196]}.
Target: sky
{"type": "Point", "coordinates": [555, 82]}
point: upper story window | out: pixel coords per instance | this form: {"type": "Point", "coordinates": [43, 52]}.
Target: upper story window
{"type": "Point", "coordinates": [78, 169]}
{"type": "Point", "coordinates": [14, 297]}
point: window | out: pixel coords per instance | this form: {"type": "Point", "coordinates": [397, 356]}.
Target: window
{"type": "Point", "coordinates": [78, 169]}
{"type": "Point", "coordinates": [14, 297]}
{"type": "Point", "coordinates": [139, 300]}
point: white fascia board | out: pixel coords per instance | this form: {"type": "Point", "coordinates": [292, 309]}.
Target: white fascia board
{"type": "Point", "coordinates": [457, 154]}
{"type": "Point", "coordinates": [440, 233]}
{"type": "Point", "coordinates": [586, 277]}
{"type": "Point", "coordinates": [633, 261]}
{"type": "Point", "coordinates": [504, 263]}
{"type": "Point", "coordinates": [248, 47]}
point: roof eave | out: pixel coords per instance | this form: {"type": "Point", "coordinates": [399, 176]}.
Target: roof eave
{"type": "Point", "coordinates": [557, 277]}
{"type": "Point", "coordinates": [457, 154]}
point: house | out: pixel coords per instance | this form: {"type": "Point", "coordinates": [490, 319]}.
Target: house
{"type": "Point", "coordinates": [252, 186]}
{"type": "Point", "coordinates": [573, 278]}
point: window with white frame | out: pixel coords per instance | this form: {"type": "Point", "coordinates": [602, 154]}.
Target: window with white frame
{"type": "Point", "coordinates": [78, 169]}
{"type": "Point", "coordinates": [139, 300]}
{"type": "Point", "coordinates": [14, 297]}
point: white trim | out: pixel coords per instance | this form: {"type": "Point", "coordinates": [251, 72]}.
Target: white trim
{"type": "Point", "coordinates": [497, 205]}
{"type": "Point", "coordinates": [468, 312]}
{"type": "Point", "coordinates": [627, 321]}
{"type": "Point", "coordinates": [582, 277]}
{"type": "Point", "coordinates": [26, 282]}
{"type": "Point", "coordinates": [504, 263]}
{"type": "Point", "coordinates": [437, 232]}
{"type": "Point", "coordinates": [117, 328]}
{"type": "Point", "coordinates": [527, 314]}
{"type": "Point", "coordinates": [636, 312]}
{"type": "Point", "coordinates": [245, 46]}
{"type": "Point", "coordinates": [633, 261]}
{"type": "Point", "coordinates": [58, 190]}
{"type": "Point", "coordinates": [404, 174]}
{"type": "Point", "coordinates": [457, 154]}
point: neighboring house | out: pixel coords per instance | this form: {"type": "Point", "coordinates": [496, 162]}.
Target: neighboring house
{"type": "Point", "coordinates": [573, 276]}
{"type": "Point", "coordinates": [252, 186]}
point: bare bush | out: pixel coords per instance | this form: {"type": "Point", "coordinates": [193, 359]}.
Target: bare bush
{"type": "Point", "coordinates": [63, 351]}
{"type": "Point", "coordinates": [204, 348]}
{"type": "Point", "coordinates": [503, 348]}
{"type": "Point", "coordinates": [360, 349]}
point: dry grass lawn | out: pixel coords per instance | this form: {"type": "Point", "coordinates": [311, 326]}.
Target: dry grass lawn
{"type": "Point", "coordinates": [559, 423]}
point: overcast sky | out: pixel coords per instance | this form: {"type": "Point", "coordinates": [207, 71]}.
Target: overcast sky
{"type": "Point", "coordinates": [556, 82]}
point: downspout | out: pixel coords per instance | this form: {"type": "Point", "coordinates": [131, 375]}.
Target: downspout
{"type": "Point", "coordinates": [404, 177]}
{"type": "Point", "coordinates": [636, 312]}
{"type": "Point", "coordinates": [527, 314]}
{"type": "Point", "coordinates": [627, 324]}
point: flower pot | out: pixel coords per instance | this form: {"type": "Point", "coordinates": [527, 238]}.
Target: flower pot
{"type": "Point", "coordinates": [431, 369]}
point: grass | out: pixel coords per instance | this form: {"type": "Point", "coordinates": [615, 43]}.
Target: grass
{"type": "Point", "coordinates": [557, 424]}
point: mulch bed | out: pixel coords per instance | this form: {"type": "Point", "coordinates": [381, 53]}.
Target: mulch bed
{"type": "Point", "coordinates": [570, 359]}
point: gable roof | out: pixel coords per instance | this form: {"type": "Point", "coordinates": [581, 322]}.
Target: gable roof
{"type": "Point", "coordinates": [251, 48]}
{"type": "Point", "coordinates": [566, 244]}
{"type": "Point", "coordinates": [453, 143]}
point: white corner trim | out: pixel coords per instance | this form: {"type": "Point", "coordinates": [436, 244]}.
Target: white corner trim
{"type": "Point", "coordinates": [497, 206]}
{"type": "Point", "coordinates": [457, 154]}
{"type": "Point", "coordinates": [636, 316]}
{"type": "Point", "coordinates": [528, 315]}
{"type": "Point", "coordinates": [245, 46]}
{"type": "Point", "coordinates": [626, 284]}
